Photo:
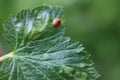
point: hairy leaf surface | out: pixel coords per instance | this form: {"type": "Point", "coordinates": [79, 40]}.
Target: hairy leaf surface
{"type": "Point", "coordinates": [42, 52]}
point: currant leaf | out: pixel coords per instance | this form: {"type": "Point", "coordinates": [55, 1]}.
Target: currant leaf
{"type": "Point", "coordinates": [42, 52]}
{"type": "Point", "coordinates": [28, 24]}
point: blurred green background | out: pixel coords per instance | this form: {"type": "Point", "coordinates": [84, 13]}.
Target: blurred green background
{"type": "Point", "coordinates": [95, 23]}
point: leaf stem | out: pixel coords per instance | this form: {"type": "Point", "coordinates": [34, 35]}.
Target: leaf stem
{"type": "Point", "coordinates": [9, 55]}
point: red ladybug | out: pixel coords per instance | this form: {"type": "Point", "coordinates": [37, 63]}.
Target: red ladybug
{"type": "Point", "coordinates": [56, 22]}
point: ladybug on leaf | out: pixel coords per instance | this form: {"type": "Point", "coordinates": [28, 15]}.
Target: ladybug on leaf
{"type": "Point", "coordinates": [56, 22]}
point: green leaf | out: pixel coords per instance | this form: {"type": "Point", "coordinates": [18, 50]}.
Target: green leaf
{"type": "Point", "coordinates": [28, 24]}
{"type": "Point", "coordinates": [42, 52]}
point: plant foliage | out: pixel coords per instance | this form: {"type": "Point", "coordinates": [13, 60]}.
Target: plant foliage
{"type": "Point", "coordinates": [42, 52]}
